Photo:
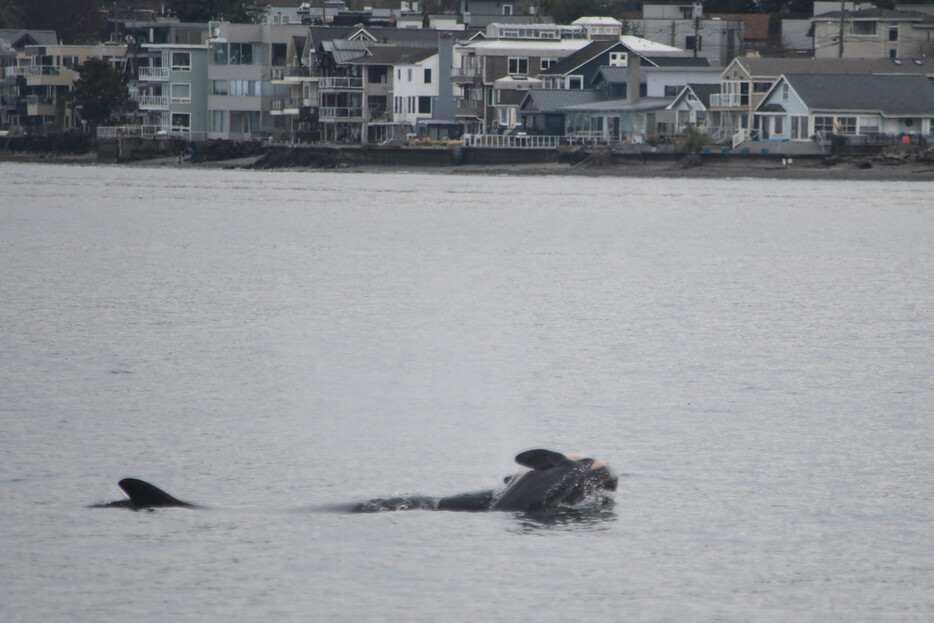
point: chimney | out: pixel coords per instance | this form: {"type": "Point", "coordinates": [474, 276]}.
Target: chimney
{"type": "Point", "coordinates": [633, 77]}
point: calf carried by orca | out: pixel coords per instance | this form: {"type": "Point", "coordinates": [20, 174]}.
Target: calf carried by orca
{"type": "Point", "coordinates": [555, 481]}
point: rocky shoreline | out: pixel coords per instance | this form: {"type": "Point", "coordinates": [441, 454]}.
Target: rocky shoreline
{"type": "Point", "coordinates": [901, 165]}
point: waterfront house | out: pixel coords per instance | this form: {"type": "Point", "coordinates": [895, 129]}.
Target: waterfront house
{"type": "Point", "coordinates": [863, 108]}
{"type": "Point", "coordinates": [873, 33]}
{"type": "Point", "coordinates": [692, 107]}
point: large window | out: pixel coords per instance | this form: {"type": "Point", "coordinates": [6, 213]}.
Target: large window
{"type": "Point", "coordinates": [219, 87]}
{"type": "Point", "coordinates": [181, 61]}
{"type": "Point", "coordinates": [518, 66]}
{"type": "Point", "coordinates": [424, 105]}
{"type": "Point", "coordinates": [575, 82]}
{"type": "Point", "coordinates": [244, 88]}
{"type": "Point", "coordinates": [846, 125]}
{"type": "Point", "coordinates": [547, 62]}
{"type": "Point", "coordinates": [691, 41]}
{"type": "Point", "coordinates": [427, 76]}
{"type": "Point", "coordinates": [218, 121]}
{"type": "Point", "coordinates": [823, 125]}
{"type": "Point", "coordinates": [181, 120]}
{"type": "Point", "coordinates": [241, 54]}
{"type": "Point", "coordinates": [279, 54]}
{"type": "Point", "coordinates": [181, 93]}
{"type": "Point", "coordinates": [219, 53]}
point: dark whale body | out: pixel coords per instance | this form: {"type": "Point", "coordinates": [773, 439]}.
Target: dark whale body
{"type": "Point", "coordinates": [555, 481]}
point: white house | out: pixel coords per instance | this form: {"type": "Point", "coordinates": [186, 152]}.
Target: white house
{"type": "Point", "coordinates": [415, 87]}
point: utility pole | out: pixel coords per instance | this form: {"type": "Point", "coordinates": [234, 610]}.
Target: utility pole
{"type": "Point", "coordinates": [840, 42]}
{"type": "Point", "coordinates": [698, 11]}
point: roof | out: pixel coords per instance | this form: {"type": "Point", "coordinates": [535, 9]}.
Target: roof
{"type": "Point", "coordinates": [587, 53]}
{"type": "Point", "coordinates": [890, 95]}
{"type": "Point", "coordinates": [394, 55]}
{"type": "Point", "coordinates": [616, 75]}
{"type": "Point", "coordinates": [678, 61]}
{"type": "Point", "coordinates": [596, 21]}
{"type": "Point", "coordinates": [556, 100]}
{"type": "Point", "coordinates": [19, 38]}
{"type": "Point", "coordinates": [622, 105]}
{"type": "Point", "coordinates": [704, 91]}
{"type": "Point", "coordinates": [494, 46]}
{"type": "Point", "coordinates": [511, 97]}
{"type": "Point", "coordinates": [646, 47]}
{"type": "Point", "coordinates": [775, 67]}
{"type": "Point", "coordinates": [876, 14]}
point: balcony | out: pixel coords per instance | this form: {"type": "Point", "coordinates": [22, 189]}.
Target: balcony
{"type": "Point", "coordinates": [461, 75]}
{"type": "Point", "coordinates": [153, 102]}
{"type": "Point", "coordinates": [154, 74]}
{"type": "Point", "coordinates": [334, 113]}
{"type": "Point", "coordinates": [39, 105]}
{"type": "Point", "coordinates": [725, 100]}
{"type": "Point", "coordinates": [340, 83]}
{"type": "Point", "coordinates": [470, 107]}
{"type": "Point", "coordinates": [289, 74]}
{"type": "Point", "coordinates": [285, 106]}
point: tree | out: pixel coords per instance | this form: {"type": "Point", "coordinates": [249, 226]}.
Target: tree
{"type": "Point", "coordinates": [74, 21]}
{"type": "Point", "coordinates": [237, 11]}
{"type": "Point", "coordinates": [100, 92]}
{"type": "Point", "coordinates": [566, 11]}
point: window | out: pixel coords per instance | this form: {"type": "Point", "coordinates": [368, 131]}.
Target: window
{"type": "Point", "coordinates": [219, 53]}
{"type": "Point", "coordinates": [619, 59]}
{"type": "Point", "coordinates": [409, 74]}
{"type": "Point", "coordinates": [778, 125]}
{"type": "Point", "coordinates": [219, 87]}
{"type": "Point", "coordinates": [181, 120]}
{"type": "Point", "coordinates": [548, 62]}
{"type": "Point", "coordinates": [846, 125]}
{"type": "Point", "coordinates": [893, 53]}
{"type": "Point", "coordinates": [864, 28]}
{"type": "Point", "coordinates": [518, 66]}
{"type": "Point", "coordinates": [575, 82]}
{"type": "Point", "coordinates": [279, 54]}
{"type": "Point", "coordinates": [181, 61]}
{"type": "Point", "coordinates": [690, 41]}
{"type": "Point", "coordinates": [785, 90]}
{"type": "Point", "coordinates": [761, 87]}
{"type": "Point", "coordinates": [424, 105]}
{"type": "Point", "coordinates": [893, 34]}
{"type": "Point", "coordinates": [244, 88]}
{"type": "Point", "coordinates": [507, 9]}
{"type": "Point", "coordinates": [181, 93]}
{"type": "Point", "coordinates": [672, 90]}
{"type": "Point", "coordinates": [427, 76]}
{"type": "Point", "coordinates": [823, 125]}
{"type": "Point", "coordinates": [799, 127]}
{"type": "Point", "coordinates": [868, 125]}
{"type": "Point", "coordinates": [241, 54]}
{"type": "Point", "coordinates": [218, 121]}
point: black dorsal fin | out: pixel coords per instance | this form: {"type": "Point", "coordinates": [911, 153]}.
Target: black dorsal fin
{"type": "Point", "coordinates": [540, 459]}
{"type": "Point", "coordinates": [146, 495]}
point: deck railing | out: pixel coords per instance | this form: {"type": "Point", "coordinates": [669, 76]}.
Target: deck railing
{"type": "Point", "coordinates": [512, 141]}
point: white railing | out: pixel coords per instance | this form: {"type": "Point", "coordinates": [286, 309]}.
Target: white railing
{"type": "Point", "coordinates": [512, 141]}
{"type": "Point", "coordinates": [465, 72]}
{"type": "Point", "coordinates": [285, 104]}
{"type": "Point", "coordinates": [281, 73]}
{"type": "Point", "coordinates": [340, 82]}
{"type": "Point", "coordinates": [13, 72]}
{"type": "Point", "coordinates": [153, 102]}
{"type": "Point", "coordinates": [154, 74]}
{"type": "Point", "coordinates": [131, 131]}
{"type": "Point", "coordinates": [333, 112]}
{"type": "Point", "coordinates": [725, 100]}
{"type": "Point", "coordinates": [740, 137]}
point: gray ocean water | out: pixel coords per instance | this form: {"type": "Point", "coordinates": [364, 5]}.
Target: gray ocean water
{"type": "Point", "coordinates": [755, 358]}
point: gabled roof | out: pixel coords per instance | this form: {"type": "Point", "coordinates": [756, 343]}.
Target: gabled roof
{"type": "Point", "coordinates": [555, 100]}
{"type": "Point", "coordinates": [394, 55]}
{"type": "Point", "coordinates": [622, 105]}
{"type": "Point", "coordinates": [19, 38]}
{"type": "Point", "coordinates": [775, 67]}
{"type": "Point", "coordinates": [584, 55]}
{"type": "Point", "coordinates": [701, 91]}
{"type": "Point", "coordinates": [890, 95]}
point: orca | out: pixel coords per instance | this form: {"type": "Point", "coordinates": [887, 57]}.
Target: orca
{"type": "Point", "coordinates": [142, 494]}
{"type": "Point", "coordinates": [555, 481]}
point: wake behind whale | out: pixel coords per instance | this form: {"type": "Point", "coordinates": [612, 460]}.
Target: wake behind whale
{"type": "Point", "coordinates": [555, 481]}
